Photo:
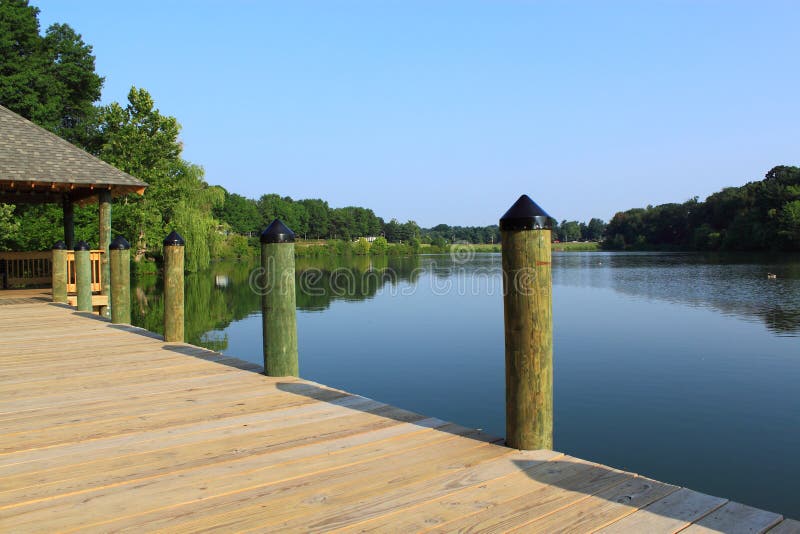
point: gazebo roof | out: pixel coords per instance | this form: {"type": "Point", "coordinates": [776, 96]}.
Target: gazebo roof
{"type": "Point", "coordinates": [38, 166]}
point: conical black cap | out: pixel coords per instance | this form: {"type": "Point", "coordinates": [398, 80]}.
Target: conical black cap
{"type": "Point", "coordinates": [525, 214]}
{"type": "Point", "coordinates": [82, 245]}
{"type": "Point", "coordinates": [174, 239]}
{"type": "Point", "coordinates": [277, 232]}
{"type": "Point", "coordinates": [59, 245]}
{"type": "Point", "coordinates": [119, 243]}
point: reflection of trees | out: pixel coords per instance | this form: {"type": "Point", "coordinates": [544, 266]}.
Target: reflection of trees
{"type": "Point", "coordinates": [321, 281]}
{"type": "Point", "coordinates": [222, 294]}
{"type": "Point", "coordinates": [208, 306]}
{"type": "Point", "coordinates": [733, 284]}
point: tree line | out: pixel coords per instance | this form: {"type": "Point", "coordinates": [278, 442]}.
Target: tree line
{"type": "Point", "coordinates": [758, 216]}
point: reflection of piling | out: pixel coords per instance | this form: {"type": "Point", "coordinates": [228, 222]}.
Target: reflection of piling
{"type": "Point", "coordinates": [527, 307]}
{"type": "Point", "coordinates": [83, 276]}
{"type": "Point", "coordinates": [59, 272]}
{"type": "Point", "coordinates": [120, 266]}
{"type": "Point", "coordinates": [173, 288]}
{"type": "Point", "coordinates": [278, 313]}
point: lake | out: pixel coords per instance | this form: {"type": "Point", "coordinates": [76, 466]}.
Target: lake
{"type": "Point", "coordinates": [681, 367]}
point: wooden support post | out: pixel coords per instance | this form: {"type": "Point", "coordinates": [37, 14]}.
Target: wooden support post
{"type": "Point", "coordinates": [174, 246]}
{"type": "Point", "coordinates": [83, 276]}
{"type": "Point", "coordinates": [69, 221]}
{"type": "Point", "coordinates": [278, 301]}
{"type": "Point", "coordinates": [59, 272]}
{"type": "Point", "coordinates": [527, 306]}
{"type": "Point", "coordinates": [120, 264]}
{"type": "Point", "coordinates": [104, 220]}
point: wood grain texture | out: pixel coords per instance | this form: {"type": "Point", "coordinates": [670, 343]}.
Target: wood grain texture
{"type": "Point", "coordinates": [735, 518]}
{"type": "Point", "coordinates": [174, 293]}
{"type": "Point", "coordinates": [278, 310]}
{"type": "Point", "coordinates": [132, 434]}
{"type": "Point", "coordinates": [528, 320]}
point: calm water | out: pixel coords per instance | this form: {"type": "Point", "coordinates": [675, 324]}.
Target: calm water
{"type": "Point", "coordinates": [682, 367]}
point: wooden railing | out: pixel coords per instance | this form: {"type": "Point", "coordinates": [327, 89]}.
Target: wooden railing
{"type": "Point", "coordinates": [96, 257]}
{"type": "Point", "coordinates": [29, 268]}
{"type": "Point", "coordinates": [20, 268]}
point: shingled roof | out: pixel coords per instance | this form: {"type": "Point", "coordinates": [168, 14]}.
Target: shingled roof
{"type": "Point", "coordinates": [35, 162]}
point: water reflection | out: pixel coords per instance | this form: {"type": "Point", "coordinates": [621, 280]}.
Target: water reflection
{"type": "Point", "coordinates": [734, 285]}
{"type": "Point", "coordinates": [221, 295]}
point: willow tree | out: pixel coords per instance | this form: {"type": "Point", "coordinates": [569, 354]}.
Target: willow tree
{"type": "Point", "coordinates": [141, 141]}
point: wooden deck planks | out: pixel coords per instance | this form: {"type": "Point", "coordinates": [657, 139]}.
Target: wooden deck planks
{"type": "Point", "coordinates": [106, 428]}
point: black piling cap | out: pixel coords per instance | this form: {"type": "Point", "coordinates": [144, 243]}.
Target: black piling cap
{"type": "Point", "coordinates": [82, 245]}
{"type": "Point", "coordinates": [119, 243]}
{"type": "Point", "coordinates": [525, 214]}
{"type": "Point", "coordinates": [59, 245]}
{"type": "Point", "coordinates": [277, 232]}
{"type": "Point", "coordinates": [174, 239]}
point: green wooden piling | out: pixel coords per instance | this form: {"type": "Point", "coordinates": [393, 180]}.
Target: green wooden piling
{"type": "Point", "coordinates": [120, 265]}
{"type": "Point", "coordinates": [174, 246]}
{"type": "Point", "coordinates": [278, 301]}
{"type": "Point", "coordinates": [104, 224]}
{"type": "Point", "coordinates": [83, 276]}
{"type": "Point", "coordinates": [59, 272]}
{"type": "Point", "coordinates": [527, 306]}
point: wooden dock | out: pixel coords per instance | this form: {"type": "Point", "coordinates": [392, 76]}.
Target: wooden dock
{"type": "Point", "coordinates": [107, 428]}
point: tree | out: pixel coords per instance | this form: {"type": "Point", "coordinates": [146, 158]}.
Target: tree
{"type": "Point", "coordinates": [379, 246]}
{"type": "Point", "coordinates": [240, 213]}
{"type": "Point", "coordinates": [790, 224]}
{"type": "Point", "coordinates": [9, 226]}
{"type": "Point", "coordinates": [141, 141]}
{"type": "Point", "coordinates": [361, 247]}
{"type": "Point", "coordinates": [48, 79]}
{"type": "Point", "coordinates": [595, 229]}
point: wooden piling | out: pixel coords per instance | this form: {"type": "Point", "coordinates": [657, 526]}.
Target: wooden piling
{"type": "Point", "coordinates": [104, 224]}
{"type": "Point", "coordinates": [120, 266]}
{"type": "Point", "coordinates": [83, 276]}
{"type": "Point", "coordinates": [174, 246]}
{"type": "Point", "coordinates": [59, 272]}
{"type": "Point", "coordinates": [278, 302]}
{"type": "Point", "coordinates": [527, 306]}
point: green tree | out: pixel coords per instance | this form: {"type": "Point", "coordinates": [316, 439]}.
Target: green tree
{"type": "Point", "coordinates": [48, 79]}
{"type": "Point", "coordinates": [139, 140]}
{"type": "Point", "coordinates": [240, 213]}
{"type": "Point", "coordinates": [9, 226]}
{"type": "Point", "coordinates": [361, 247]}
{"type": "Point", "coordinates": [790, 224]}
{"type": "Point", "coordinates": [379, 246]}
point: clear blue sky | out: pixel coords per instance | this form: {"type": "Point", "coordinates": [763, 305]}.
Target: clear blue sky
{"type": "Point", "coordinates": [446, 111]}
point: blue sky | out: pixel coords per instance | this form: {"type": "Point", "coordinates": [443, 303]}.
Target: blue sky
{"type": "Point", "coordinates": [446, 111]}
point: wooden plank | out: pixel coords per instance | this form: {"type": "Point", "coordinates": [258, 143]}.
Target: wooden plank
{"type": "Point", "coordinates": [114, 446]}
{"type": "Point", "coordinates": [549, 485]}
{"type": "Point", "coordinates": [670, 514]}
{"type": "Point", "coordinates": [284, 475]}
{"type": "Point", "coordinates": [50, 399]}
{"type": "Point", "coordinates": [403, 509]}
{"type": "Point", "coordinates": [97, 300]}
{"type": "Point", "coordinates": [735, 518]}
{"type": "Point", "coordinates": [90, 430]}
{"type": "Point", "coordinates": [103, 413]}
{"type": "Point", "coordinates": [169, 459]}
{"type": "Point", "coordinates": [370, 469]}
{"type": "Point", "coordinates": [543, 494]}
{"type": "Point", "coordinates": [603, 508]}
{"type": "Point", "coordinates": [787, 526]}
